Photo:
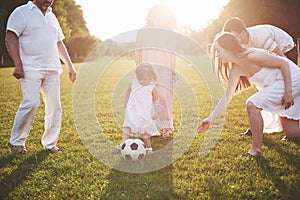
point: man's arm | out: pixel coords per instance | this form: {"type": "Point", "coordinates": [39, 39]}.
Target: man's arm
{"type": "Point", "coordinates": [12, 45]}
{"type": "Point", "coordinates": [64, 56]}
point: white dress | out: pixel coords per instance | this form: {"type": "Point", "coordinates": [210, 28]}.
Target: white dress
{"type": "Point", "coordinates": [270, 84]}
{"type": "Point", "coordinates": [139, 109]}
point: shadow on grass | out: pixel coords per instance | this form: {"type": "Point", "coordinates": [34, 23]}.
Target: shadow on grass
{"type": "Point", "coordinates": [152, 185]}
{"type": "Point", "coordinates": [288, 187]}
{"type": "Point", "coordinates": [4, 161]}
{"type": "Point", "coordinates": [23, 169]}
{"type": "Point", "coordinates": [292, 159]}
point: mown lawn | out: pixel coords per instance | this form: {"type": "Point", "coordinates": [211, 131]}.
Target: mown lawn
{"type": "Point", "coordinates": [222, 173]}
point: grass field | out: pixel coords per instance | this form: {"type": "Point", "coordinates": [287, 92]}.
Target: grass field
{"type": "Point", "coordinates": [78, 173]}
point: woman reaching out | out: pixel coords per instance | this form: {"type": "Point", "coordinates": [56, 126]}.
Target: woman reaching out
{"type": "Point", "coordinates": [277, 79]}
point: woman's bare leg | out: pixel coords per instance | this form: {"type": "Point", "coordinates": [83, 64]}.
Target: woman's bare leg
{"type": "Point", "coordinates": [256, 126]}
{"type": "Point", "coordinates": [291, 128]}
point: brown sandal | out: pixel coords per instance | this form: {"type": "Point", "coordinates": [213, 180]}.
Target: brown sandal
{"type": "Point", "coordinates": [54, 150]}
{"type": "Point", "coordinates": [166, 133]}
{"type": "Point", "coordinates": [18, 150]}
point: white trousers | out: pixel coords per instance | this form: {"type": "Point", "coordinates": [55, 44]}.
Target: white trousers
{"type": "Point", "coordinates": [34, 82]}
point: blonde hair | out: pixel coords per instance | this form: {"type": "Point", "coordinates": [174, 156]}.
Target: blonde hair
{"type": "Point", "coordinates": [161, 16]}
{"type": "Point", "coordinates": [228, 42]}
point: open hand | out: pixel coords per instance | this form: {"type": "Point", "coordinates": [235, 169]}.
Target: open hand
{"type": "Point", "coordinates": [204, 125]}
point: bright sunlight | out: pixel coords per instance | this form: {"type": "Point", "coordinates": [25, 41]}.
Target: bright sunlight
{"type": "Point", "coordinates": [110, 18]}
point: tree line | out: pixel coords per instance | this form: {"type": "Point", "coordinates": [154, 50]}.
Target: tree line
{"type": "Point", "coordinates": [281, 13]}
{"type": "Point", "coordinates": [78, 40]}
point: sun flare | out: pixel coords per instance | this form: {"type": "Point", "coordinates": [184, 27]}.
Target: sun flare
{"type": "Point", "coordinates": [117, 16]}
{"type": "Point", "coordinates": [194, 13]}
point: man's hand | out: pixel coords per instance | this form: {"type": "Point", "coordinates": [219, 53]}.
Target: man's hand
{"type": "Point", "coordinates": [72, 74]}
{"type": "Point", "coordinates": [18, 72]}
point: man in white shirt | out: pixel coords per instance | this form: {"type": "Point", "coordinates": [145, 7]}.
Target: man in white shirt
{"type": "Point", "coordinates": [266, 37]}
{"type": "Point", "coordinates": [34, 42]}
{"type": "Point", "coordinates": [262, 36]}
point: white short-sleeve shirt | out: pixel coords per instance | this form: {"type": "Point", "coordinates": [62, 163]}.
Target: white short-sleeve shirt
{"type": "Point", "coordinates": [38, 36]}
{"type": "Point", "coordinates": [267, 37]}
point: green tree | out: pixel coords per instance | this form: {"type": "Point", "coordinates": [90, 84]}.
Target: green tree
{"type": "Point", "coordinates": [6, 7]}
{"type": "Point", "coordinates": [78, 40]}
{"type": "Point", "coordinates": [282, 13]}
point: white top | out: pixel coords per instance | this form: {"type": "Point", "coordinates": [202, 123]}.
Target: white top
{"type": "Point", "coordinates": [38, 36]}
{"type": "Point", "coordinates": [139, 109]}
{"type": "Point", "coordinates": [271, 87]}
{"type": "Point", "coordinates": [267, 37]}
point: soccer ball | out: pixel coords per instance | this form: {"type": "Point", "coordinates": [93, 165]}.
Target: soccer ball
{"type": "Point", "coordinates": [133, 149]}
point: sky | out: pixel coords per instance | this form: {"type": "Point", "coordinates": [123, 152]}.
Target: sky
{"type": "Point", "coordinates": [106, 19]}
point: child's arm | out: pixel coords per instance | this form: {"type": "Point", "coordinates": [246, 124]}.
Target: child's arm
{"type": "Point", "coordinates": [127, 94]}
{"type": "Point", "coordinates": [154, 95]}
{"type": "Point", "coordinates": [154, 99]}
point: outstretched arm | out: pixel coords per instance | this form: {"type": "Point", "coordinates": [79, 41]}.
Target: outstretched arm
{"type": "Point", "coordinates": [223, 103]}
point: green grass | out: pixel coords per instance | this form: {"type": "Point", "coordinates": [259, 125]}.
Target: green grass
{"type": "Point", "coordinates": [77, 174]}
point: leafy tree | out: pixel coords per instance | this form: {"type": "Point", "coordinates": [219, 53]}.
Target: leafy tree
{"type": "Point", "coordinates": [282, 13]}
{"type": "Point", "coordinates": [6, 7]}
{"type": "Point", "coordinates": [61, 14]}
{"type": "Point", "coordinates": [80, 47]}
{"type": "Point", "coordinates": [78, 40]}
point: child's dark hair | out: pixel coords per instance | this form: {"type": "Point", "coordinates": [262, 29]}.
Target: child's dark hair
{"type": "Point", "coordinates": [145, 69]}
{"type": "Point", "coordinates": [234, 24]}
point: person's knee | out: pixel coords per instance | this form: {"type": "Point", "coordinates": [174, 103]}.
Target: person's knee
{"type": "Point", "coordinates": [252, 109]}
{"type": "Point", "coordinates": [290, 127]}
{"type": "Point", "coordinates": [31, 104]}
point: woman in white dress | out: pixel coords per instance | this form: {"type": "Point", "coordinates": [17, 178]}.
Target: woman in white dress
{"type": "Point", "coordinates": [140, 111]}
{"type": "Point", "coordinates": [268, 37]}
{"type": "Point", "coordinates": [277, 77]}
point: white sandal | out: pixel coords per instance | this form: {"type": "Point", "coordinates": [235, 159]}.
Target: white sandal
{"type": "Point", "coordinates": [149, 150]}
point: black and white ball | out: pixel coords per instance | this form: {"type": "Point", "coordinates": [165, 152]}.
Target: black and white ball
{"type": "Point", "coordinates": [133, 149]}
